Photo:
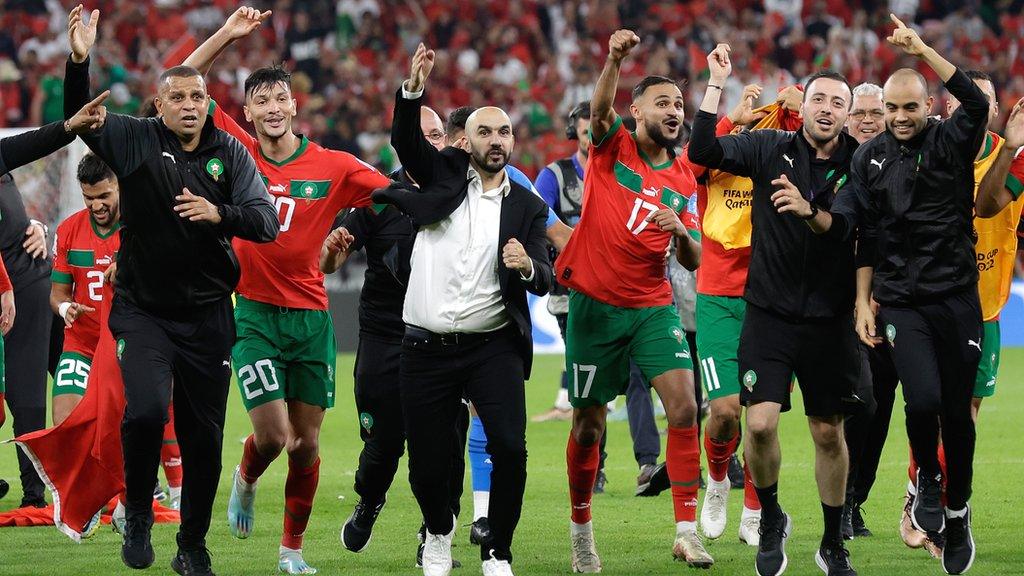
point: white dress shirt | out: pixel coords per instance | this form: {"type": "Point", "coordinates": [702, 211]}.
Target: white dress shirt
{"type": "Point", "coordinates": [453, 286]}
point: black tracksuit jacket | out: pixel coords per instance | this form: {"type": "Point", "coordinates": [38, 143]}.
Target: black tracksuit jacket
{"type": "Point", "coordinates": [167, 264]}
{"type": "Point", "coordinates": [914, 204]}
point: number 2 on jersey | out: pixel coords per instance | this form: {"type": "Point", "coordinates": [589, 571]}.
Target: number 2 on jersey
{"type": "Point", "coordinates": [634, 225]}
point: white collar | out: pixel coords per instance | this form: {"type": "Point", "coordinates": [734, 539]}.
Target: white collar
{"type": "Point", "coordinates": [505, 187]}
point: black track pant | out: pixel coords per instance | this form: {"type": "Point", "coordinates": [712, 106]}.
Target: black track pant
{"type": "Point", "coordinates": [867, 429]}
{"type": "Point", "coordinates": [435, 377]}
{"type": "Point", "coordinates": [378, 402]}
{"type": "Point", "coordinates": [193, 352]}
{"type": "Point", "coordinates": [25, 355]}
{"type": "Point", "coordinates": [936, 349]}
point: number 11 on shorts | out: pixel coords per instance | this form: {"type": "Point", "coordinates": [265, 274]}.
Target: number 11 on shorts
{"type": "Point", "coordinates": [589, 370]}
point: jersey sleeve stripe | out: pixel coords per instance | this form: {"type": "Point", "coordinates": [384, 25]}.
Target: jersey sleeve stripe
{"type": "Point", "coordinates": [61, 277]}
{"type": "Point", "coordinates": [1014, 185]}
{"type": "Point", "coordinates": [614, 127]}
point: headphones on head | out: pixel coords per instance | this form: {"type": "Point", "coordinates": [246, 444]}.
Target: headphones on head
{"type": "Point", "coordinates": [574, 116]}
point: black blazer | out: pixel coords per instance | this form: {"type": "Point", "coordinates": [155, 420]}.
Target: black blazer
{"type": "Point", "coordinates": [443, 185]}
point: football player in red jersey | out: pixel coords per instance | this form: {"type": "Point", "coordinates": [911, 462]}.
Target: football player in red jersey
{"type": "Point", "coordinates": [285, 351]}
{"type": "Point", "coordinates": [620, 302]}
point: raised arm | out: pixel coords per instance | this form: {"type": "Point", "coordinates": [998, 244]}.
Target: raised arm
{"type": "Point", "coordinates": [239, 24]}
{"type": "Point", "coordinates": [962, 132]}
{"type": "Point", "coordinates": [704, 147]}
{"type": "Point", "coordinates": [418, 157]}
{"type": "Point", "coordinates": [602, 111]}
{"type": "Point", "coordinates": [999, 187]}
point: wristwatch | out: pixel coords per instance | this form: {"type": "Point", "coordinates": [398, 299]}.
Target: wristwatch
{"type": "Point", "coordinates": [814, 212]}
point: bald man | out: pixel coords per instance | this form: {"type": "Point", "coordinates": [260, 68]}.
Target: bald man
{"type": "Point", "coordinates": [480, 246]}
{"type": "Point", "coordinates": [912, 193]}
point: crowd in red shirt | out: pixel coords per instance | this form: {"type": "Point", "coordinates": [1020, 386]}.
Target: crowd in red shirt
{"type": "Point", "coordinates": [535, 59]}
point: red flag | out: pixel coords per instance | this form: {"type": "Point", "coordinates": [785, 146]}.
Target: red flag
{"type": "Point", "coordinates": [180, 50]}
{"type": "Point", "coordinates": [80, 460]}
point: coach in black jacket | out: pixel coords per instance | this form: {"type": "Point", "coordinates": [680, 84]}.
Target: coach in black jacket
{"type": "Point", "coordinates": [799, 297]}
{"type": "Point", "coordinates": [189, 188]}
{"type": "Point", "coordinates": [912, 194]}
{"type": "Point", "coordinates": [480, 246]}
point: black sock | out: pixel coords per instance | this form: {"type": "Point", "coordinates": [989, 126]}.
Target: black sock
{"type": "Point", "coordinates": [769, 497]}
{"type": "Point", "coordinates": [833, 519]}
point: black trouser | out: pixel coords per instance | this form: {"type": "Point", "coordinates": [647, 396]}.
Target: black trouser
{"type": "Point", "coordinates": [192, 351]}
{"type": "Point", "coordinates": [378, 397]}
{"type": "Point", "coordinates": [936, 349]}
{"type": "Point", "coordinates": [867, 428]}
{"type": "Point", "coordinates": [25, 355]}
{"type": "Point", "coordinates": [488, 370]}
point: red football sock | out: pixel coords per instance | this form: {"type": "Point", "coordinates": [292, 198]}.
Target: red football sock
{"type": "Point", "coordinates": [750, 501]}
{"type": "Point", "coordinates": [582, 463]}
{"type": "Point", "coordinates": [718, 455]}
{"type": "Point", "coordinates": [3, 414]}
{"type": "Point", "coordinates": [942, 462]}
{"type": "Point", "coordinates": [912, 469]}
{"type": "Point", "coordinates": [170, 456]}
{"type": "Point", "coordinates": [254, 464]}
{"type": "Point", "coordinates": [682, 458]}
{"type": "Point", "coordinates": [299, 489]}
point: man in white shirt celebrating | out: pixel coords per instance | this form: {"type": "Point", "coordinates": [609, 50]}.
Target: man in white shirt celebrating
{"type": "Point", "coordinates": [480, 246]}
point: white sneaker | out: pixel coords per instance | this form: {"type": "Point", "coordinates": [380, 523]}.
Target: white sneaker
{"type": "Point", "coordinates": [495, 567]}
{"type": "Point", "coordinates": [437, 554]}
{"type": "Point", "coordinates": [117, 518]}
{"type": "Point", "coordinates": [290, 561]}
{"type": "Point", "coordinates": [750, 523]}
{"type": "Point", "coordinates": [688, 548]}
{"type": "Point", "coordinates": [584, 553]}
{"type": "Point", "coordinates": [241, 506]}
{"type": "Point", "coordinates": [714, 511]}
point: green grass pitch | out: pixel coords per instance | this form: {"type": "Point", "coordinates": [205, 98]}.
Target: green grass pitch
{"type": "Point", "coordinates": [634, 535]}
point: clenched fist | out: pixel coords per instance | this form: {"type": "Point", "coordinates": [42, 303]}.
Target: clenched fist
{"type": "Point", "coordinates": [515, 258]}
{"type": "Point", "coordinates": [621, 44]}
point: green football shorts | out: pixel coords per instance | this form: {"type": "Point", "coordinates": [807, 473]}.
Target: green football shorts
{"type": "Point", "coordinates": [72, 374]}
{"type": "Point", "coordinates": [601, 338]}
{"type": "Point", "coordinates": [283, 353]}
{"type": "Point", "coordinates": [988, 368]}
{"type": "Point", "coordinates": [719, 322]}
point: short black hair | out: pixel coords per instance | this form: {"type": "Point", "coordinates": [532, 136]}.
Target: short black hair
{"type": "Point", "coordinates": [457, 118]}
{"type": "Point", "coordinates": [830, 75]}
{"type": "Point", "coordinates": [92, 170]}
{"type": "Point", "coordinates": [582, 110]}
{"type": "Point", "coordinates": [649, 81]}
{"type": "Point", "coordinates": [976, 75]}
{"type": "Point", "coordinates": [267, 77]}
{"type": "Point", "coordinates": [178, 72]}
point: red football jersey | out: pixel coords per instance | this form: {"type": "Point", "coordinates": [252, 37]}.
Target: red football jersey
{"type": "Point", "coordinates": [80, 256]}
{"type": "Point", "coordinates": [614, 254]}
{"type": "Point", "coordinates": [308, 189]}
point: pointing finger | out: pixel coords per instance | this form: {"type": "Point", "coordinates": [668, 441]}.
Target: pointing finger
{"type": "Point", "coordinates": [899, 23]}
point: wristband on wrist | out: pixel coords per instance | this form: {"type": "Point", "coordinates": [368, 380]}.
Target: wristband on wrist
{"type": "Point", "coordinates": [814, 212]}
{"type": "Point", "coordinates": [714, 86]}
{"type": "Point", "coordinates": [62, 309]}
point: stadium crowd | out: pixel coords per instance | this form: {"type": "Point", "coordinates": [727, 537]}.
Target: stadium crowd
{"type": "Point", "coordinates": [535, 59]}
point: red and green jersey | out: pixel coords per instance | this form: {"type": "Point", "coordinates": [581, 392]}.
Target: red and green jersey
{"type": "Point", "coordinates": [80, 256]}
{"type": "Point", "coordinates": [309, 189]}
{"type": "Point", "coordinates": [614, 254]}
